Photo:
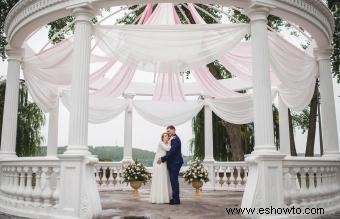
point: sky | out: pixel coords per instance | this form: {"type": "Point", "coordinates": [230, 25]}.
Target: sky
{"type": "Point", "coordinates": [145, 134]}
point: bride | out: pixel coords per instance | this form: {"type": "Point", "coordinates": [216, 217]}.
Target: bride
{"type": "Point", "coordinates": [160, 184]}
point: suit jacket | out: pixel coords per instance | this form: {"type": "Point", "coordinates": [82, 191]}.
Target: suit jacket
{"type": "Point", "coordinates": [174, 155]}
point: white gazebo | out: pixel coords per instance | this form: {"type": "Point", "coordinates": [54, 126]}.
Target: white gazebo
{"type": "Point", "coordinates": [75, 72]}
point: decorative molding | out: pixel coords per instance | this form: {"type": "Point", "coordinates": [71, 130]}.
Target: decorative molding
{"type": "Point", "coordinates": [314, 10]}
{"type": "Point", "coordinates": [25, 11]}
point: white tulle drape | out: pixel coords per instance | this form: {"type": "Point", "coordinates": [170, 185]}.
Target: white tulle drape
{"type": "Point", "coordinates": [168, 48]}
{"type": "Point", "coordinates": [160, 44]}
{"type": "Point", "coordinates": [48, 72]}
{"type": "Point", "coordinates": [164, 113]}
{"type": "Point", "coordinates": [101, 108]}
{"type": "Point", "coordinates": [233, 110]}
{"type": "Point", "coordinates": [293, 72]}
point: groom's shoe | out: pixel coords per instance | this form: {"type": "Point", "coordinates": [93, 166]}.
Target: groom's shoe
{"type": "Point", "coordinates": [174, 202]}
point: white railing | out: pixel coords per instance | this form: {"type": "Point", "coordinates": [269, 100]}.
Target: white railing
{"type": "Point", "coordinates": [49, 187]}
{"type": "Point", "coordinates": [229, 176]}
{"type": "Point", "coordinates": [311, 182]}
{"type": "Point", "coordinates": [30, 183]}
{"type": "Point", "coordinates": [109, 176]}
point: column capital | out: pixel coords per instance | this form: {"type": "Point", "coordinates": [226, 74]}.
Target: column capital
{"type": "Point", "coordinates": [82, 12]}
{"type": "Point", "coordinates": [14, 53]}
{"type": "Point", "coordinates": [323, 53]}
{"type": "Point", "coordinates": [258, 11]}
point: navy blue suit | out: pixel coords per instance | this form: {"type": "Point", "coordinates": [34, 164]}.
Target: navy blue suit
{"type": "Point", "coordinates": [174, 160]}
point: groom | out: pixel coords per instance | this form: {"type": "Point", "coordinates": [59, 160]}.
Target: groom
{"type": "Point", "coordinates": [174, 162]}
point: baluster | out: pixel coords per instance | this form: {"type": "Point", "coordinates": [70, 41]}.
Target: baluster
{"type": "Point", "coordinates": [120, 179]}
{"type": "Point", "coordinates": [325, 181]}
{"type": "Point", "coordinates": [55, 194]}
{"type": "Point", "coordinates": [332, 186]}
{"type": "Point", "coordinates": [222, 173]}
{"type": "Point", "coordinates": [295, 186]}
{"type": "Point", "coordinates": [232, 178]}
{"type": "Point", "coordinates": [36, 194]}
{"type": "Point", "coordinates": [328, 183]}
{"type": "Point", "coordinates": [47, 191]}
{"type": "Point", "coordinates": [4, 179]}
{"type": "Point", "coordinates": [238, 177]}
{"type": "Point", "coordinates": [4, 184]}
{"type": "Point", "coordinates": [115, 176]}
{"type": "Point", "coordinates": [27, 193]}
{"type": "Point", "coordinates": [226, 176]}
{"type": "Point", "coordinates": [97, 168]}
{"type": "Point", "coordinates": [14, 175]}
{"type": "Point", "coordinates": [310, 185]}
{"type": "Point", "coordinates": [217, 177]}
{"type": "Point", "coordinates": [105, 178]}
{"type": "Point", "coordinates": [337, 181]}
{"type": "Point", "coordinates": [334, 180]}
{"type": "Point", "coordinates": [21, 186]}
{"type": "Point", "coordinates": [313, 191]}
{"type": "Point", "coordinates": [304, 189]}
{"type": "Point", "coordinates": [110, 179]}
{"type": "Point", "coordinates": [216, 169]}
{"type": "Point", "coordinates": [245, 178]}
{"type": "Point", "coordinates": [8, 185]}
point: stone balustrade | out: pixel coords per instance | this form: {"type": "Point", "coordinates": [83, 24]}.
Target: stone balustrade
{"type": "Point", "coordinates": [30, 183]}
{"type": "Point", "coordinates": [109, 176]}
{"type": "Point", "coordinates": [311, 182]}
{"type": "Point", "coordinates": [229, 176]}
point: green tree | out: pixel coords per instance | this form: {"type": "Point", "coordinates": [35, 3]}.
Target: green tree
{"type": "Point", "coordinates": [334, 6]}
{"type": "Point", "coordinates": [5, 7]}
{"type": "Point", "coordinates": [30, 121]}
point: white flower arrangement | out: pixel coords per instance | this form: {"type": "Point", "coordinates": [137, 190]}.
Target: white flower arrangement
{"type": "Point", "coordinates": [196, 172]}
{"type": "Point", "coordinates": [135, 171]}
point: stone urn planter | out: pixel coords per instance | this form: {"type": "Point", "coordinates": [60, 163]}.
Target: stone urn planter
{"type": "Point", "coordinates": [197, 184]}
{"type": "Point", "coordinates": [136, 185]}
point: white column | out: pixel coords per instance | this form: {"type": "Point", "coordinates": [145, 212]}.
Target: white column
{"type": "Point", "coordinates": [208, 135]}
{"type": "Point", "coordinates": [52, 141]}
{"type": "Point", "coordinates": [328, 116]}
{"type": "Point", "coordinates": [10, 116]}
{"type": "Point", "coordinates": [209, 148]}
{"type": "Point", "coordinates": [127, 155]}
{"type": "Point", "coordinates": [78, 129]}
{"type": "Point", "coordinates": [265, 163]}
{"type": "Point", "coordinates": [284, 127]}
{"type": "Point", "coordinates": [263, 114]}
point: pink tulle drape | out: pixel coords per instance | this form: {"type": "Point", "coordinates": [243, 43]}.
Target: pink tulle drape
{"type": "Point", "coordinates": [119, 83]}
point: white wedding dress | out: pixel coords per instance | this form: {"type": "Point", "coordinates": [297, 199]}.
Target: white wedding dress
{"type": "Point", "coordinates": [160, 181]}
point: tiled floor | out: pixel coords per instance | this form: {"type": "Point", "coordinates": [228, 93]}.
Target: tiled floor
{"type": "Point", "coordinates": [210, 205]}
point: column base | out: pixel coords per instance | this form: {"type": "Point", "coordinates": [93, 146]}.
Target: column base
{"type": "Point", "coordinates": [264, 180]}
{"type": "Point", "coordinates": [265, 149]}
{"type": "Point", "coordinates": [78, 191]}
{"type": "Point", "coordinates": [77, 150]}
{"type": "Point", "coordinates": [5, 156]}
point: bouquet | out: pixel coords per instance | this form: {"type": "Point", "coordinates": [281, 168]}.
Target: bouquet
{"type": "Point", "coordinates": [196, 172]}
{"type": "Point", "coordinates": [135, 171]}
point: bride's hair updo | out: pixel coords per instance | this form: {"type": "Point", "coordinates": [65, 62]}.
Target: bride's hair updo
{"type": "Point", "coordinates": [162, 136]}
